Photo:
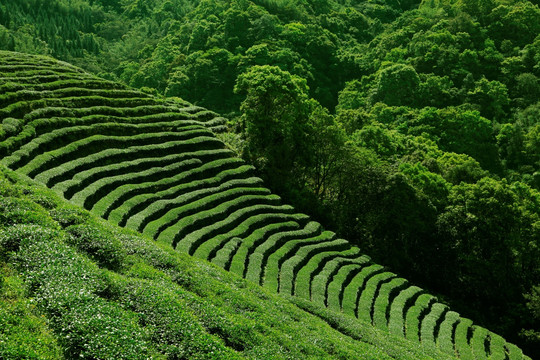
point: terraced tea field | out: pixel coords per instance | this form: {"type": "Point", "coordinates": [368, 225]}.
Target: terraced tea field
{"type": "Point", "coordinates": [155, 166]}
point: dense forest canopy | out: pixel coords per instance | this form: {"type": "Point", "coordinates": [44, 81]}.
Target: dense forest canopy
{"type": "Point", "coordinates": [412, 128]}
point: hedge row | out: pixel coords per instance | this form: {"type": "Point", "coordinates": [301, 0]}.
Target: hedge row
{"type": "Point", "coordinates": [289, 273]}
{"type": "Point", "coordinates": [339, 294]}
{"type": "Point", "coordinates": [22, 108]}
{"type": "Point", "coordinates": [17, 132]}
{"type": "Point", "coordinates": [399, 307]}
{"type": "Point", "coordinates": [99, 189]}
{"type": "Point", "coordinates": [88, 177]}
{"type": "Point", "coordinates": [86, 83]}
{"type": "Point", "coordinates": [66, 135]}
{"type": "Point", "coordinates": [447, 330]}
{"type": "Point", "coordinates": [322, 279]}
{"type": "Point", "coordinates": [55, 175]}
{"type": "Point", "coordinates": [190, 200]}
{"type": "Point", "coordinates": [194, 212]}
{"type": "Point", "coordinates": [415, 315]}
{"type": "Point", "coordinates": [431, 323]}
{"type": "Point", "coordinates": [314, 266]}
{"type": "Point", "coordinates": [209, 249]}
{"type": "Point", "coordinates": [225, 254]}
{"type": "Point", "coordinates": [272, 267]}
{"type": "Point", "coordinates": [514, 352]}
{"type": "Point", "coordinates": [123, 193]}
{"type": "Point", "coordinates": [77, 90]}
{"type": "Point", "coordinates": [37, 80]}
{"type": "Point", "coordinates": [382, 304]}
{"type": "Point", "coordinates": [366, 302]}
{"type": "Point", "coordinates": [461, 339]}
{"type": "Point", "coordinates": [258, 257]}
{"type": "Point", "coordinates": [97, 143]}
{"type": "Point", "coordinates": [152, 165]}
{"type": "Point", "coordinates": [191, 242]}
{"type": "Point", "coordinates": [480, 342]}
{"type": "Point", "coordinates": [240, 260]}
{"type": "Point", "coordinates": [176, 231]}
{"type": "Point", "coordinates": [79, 112]}
{"type": "Point", "coordinates": [212, 176]}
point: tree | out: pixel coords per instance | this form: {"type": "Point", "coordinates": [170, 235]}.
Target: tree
{"type": "Point", "coordinates": [274, 119]}
{"type": "Point", "coordinates": [528, 88]}
{"type": "Point", "coordinates": [386, 143]}
{"type": "Point", "coordinates": [434, 186]}
{"type": "Point", "coordinates": [397, 85]}
{"type": "Point", "coordinates": [206, 78]}
{"type": "Point", "coordinates": [492, 97]}
{"type": "Point", "coordinates": [460, 131]}
{"type": "Point", "coordinates": [327, 152]}
{"type": "Point", "coordinates": [490, 225]}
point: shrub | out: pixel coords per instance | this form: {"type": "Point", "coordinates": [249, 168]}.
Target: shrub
{"type": "Point", "coordinates": [69, 215]}
{"type": "Point", "coordinates": [22, 211]}
{"type": "Point", "coordinates": [24, 333]}
{"type": "Point", "coordinates": [100, 245]}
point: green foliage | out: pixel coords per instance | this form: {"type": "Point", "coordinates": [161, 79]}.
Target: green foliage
{"type": "Point", "coordinates": [25, 332]}
{"type": "Point", "coordinates": [275, 115]}
{"type": "Point", "coordinates": [396, 85]}
{"type": "Point", "coordinates": [103, 248]}
{"type": "Point", "coordinates": [157, 304]}
{"type": "Point", "coordinates": [427, 96]}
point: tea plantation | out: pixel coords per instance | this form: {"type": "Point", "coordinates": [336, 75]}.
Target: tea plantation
{"type": "Point", "coordinates": [80, 286]}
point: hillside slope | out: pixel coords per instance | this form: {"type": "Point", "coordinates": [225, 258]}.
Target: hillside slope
{"type": "Point", "coordinates": [74, 286]}
{"type": "Point", "coordinates": [154, 166]}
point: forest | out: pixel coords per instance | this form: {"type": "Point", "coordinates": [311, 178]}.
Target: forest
{"type": "Point", "coordinates": [410, 128]}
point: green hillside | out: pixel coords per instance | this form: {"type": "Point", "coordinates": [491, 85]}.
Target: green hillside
{"type": "Point", "coordinates": [410, 128]}
{"type": "Point", "coordinates": [155, 167]}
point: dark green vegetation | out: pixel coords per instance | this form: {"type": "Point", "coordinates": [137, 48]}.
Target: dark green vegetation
{"type": "Point", "coordinates": [410, 128]}
{"type": "Point", "coordinates": [74, 286]}
{"type": "Point", "coordinates": [153, 166]}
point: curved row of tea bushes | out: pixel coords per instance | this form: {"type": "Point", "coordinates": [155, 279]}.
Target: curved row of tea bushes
{"type": "Point", "coordinates": [156, 167]}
